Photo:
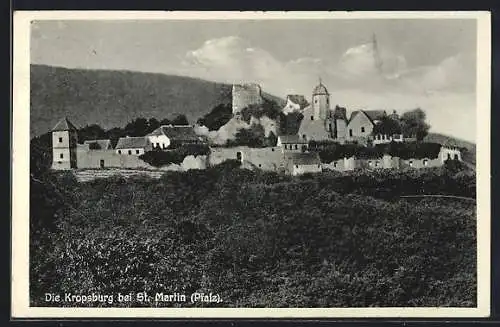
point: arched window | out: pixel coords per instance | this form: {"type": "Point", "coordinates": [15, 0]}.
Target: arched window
{"type": "Point", "coordinates": [455, 157]}
{"type": "Point", "coordinates": [362, 129]}
{"type": "Point", "coordinates": [425, 162]}
{"type": "Point", "coordinates": [410, 163]}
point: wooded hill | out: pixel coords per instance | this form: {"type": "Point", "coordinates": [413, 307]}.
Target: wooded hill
{"type": "Point", "coordinates": [113, 98]}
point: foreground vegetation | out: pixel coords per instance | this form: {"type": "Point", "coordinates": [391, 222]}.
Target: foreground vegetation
{"type": "Point", "coordinates": [258, 239]}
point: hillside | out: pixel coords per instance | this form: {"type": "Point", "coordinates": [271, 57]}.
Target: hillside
{"type": "Point", "coordinates": [258, 239]}
{"type": "Point", "coordinates": [469, 148]}
{"type": "Point", "coordinates": [113, 98]}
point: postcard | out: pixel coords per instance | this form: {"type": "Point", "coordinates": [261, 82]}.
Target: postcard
{"type": "Point", "coordinates": [251, 164]}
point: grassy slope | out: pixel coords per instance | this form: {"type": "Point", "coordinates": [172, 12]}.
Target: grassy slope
{"type": "Point", "coordinates": [112, 98]}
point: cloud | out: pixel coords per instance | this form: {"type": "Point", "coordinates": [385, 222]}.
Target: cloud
{"type": "Point", "coordinates": [232, 58]}
{"type": "Point", "coordinates": [361, 78]}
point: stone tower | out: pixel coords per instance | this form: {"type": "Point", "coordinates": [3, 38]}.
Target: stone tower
{"type": "Point", "coordinates": [320, 102]}
{"type": "Point", "coordinates": [64, 140]}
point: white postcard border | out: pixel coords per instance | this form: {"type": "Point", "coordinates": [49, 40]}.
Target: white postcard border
{"type": "Point", "coordinates": [20, 173]}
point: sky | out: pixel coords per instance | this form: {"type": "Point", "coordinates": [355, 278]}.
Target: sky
{"type": "Point", "coordinates": [426, 63]}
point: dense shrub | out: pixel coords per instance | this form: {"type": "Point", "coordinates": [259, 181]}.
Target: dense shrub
{"type": "Point", "coordinates": [159, 158]}
{"type": "Point", "coordinates": [259, 239]}
{"type": "Point", "coordinates": [330, 151]}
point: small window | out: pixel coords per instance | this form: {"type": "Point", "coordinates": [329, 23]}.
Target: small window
{"type": "Point", "coordinates": [410, 163]}
{"type": "Point", "coordinates": [136, 151]}
{"type": "Point", "coordinates": [312, 117]}
{"type": "Point", "coordinates": [61, 156]}
{"type": "Point", "coordinates": [129, 151]}
{"type": "Point", "coordinates": [327, 101]}
{"type": "Point", "coordinates": [319, 166]}
{"type": "Point", "coordinates": [296, 166]}
{"type": "Point", "coordinates": [296, 146]}
{"type": "Point", "coordinates": [238, 155]}
{"type": "Point", "coordinates": [164, 146]}
{"type": "Point", "coordinates": [158, 145]}
{"type": "Point", "coordinates": [286, 146]}
{"type": "Point", "coordinates": [335, 164]}
{"type": "Point", "coordinates": [362, 129]}
{"type": "Point", "coordinates": [425, 162]}
{"type": "Point", "coordinates": [119, 151]}
{"type": "Point", "coordinates": [369, 163]}
{"type": "Point", "coordinates": [304, 136]}
{"type": "Point", "coordinates": [260, 165]}
{"type": "Point", "coordinates": [315, 100]}
{"type": "Point", "coordinates": [272, 149]}
{"type": "Point", "coordinates": [60, 140]}
{"type": "Point", "coordinates": [455, 157]}
{"type": "Point", "coordinates": [376, 163]}
{"type": "Point", "coordinates": [350, 132]}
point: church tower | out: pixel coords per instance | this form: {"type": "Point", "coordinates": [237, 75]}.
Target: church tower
{"type": "Point", "coordinates": [64, 140]}
{"type": "Point", "coordinates": [320, 102]}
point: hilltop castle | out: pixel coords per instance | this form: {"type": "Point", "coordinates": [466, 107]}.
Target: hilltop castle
{"type": "Point", "coordinates": [292, 154]}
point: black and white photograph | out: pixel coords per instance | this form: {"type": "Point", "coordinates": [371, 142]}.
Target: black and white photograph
{"type": "Point", "coordinates": [196, 164]}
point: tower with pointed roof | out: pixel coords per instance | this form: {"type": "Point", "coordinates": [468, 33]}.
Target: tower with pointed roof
{"type": "Point", "coordinates": [64, 140]}
{"type": "Point", "coordinates": [320, 102]}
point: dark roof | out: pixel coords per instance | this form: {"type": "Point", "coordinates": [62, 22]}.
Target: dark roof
{"type": "Point", "coordinates": [103, 144]}
{"type": "Point", "coordinates": [295, 139]}
{"type": "Point", "coordinates": [64, 125]}
{"type": "Point", "coordinates": [132, 142]}
{"type": "Point", "coordinates": [303, 158]}
{"type": "Point", "coordinates": [298, 99]}
{"type": "Point", "coordinates": [371, 114]}
{"type": "Point", "coordinates": [340, 113]}
{"type": "Point", "coordinates": [177, 132]}
{"type": "Point", "coordinates": [375, 114]}
{"type": "Point", "coordinates": [320, 89]}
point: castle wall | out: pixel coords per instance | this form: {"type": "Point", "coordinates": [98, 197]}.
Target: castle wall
{"type": "Point", "coordinates": [420, 163]}
{"type": "Point", "coordinates": [304, 169]}
{"type": "Point", "coordinates": [92, 159]}
{"type": "Point", "coordinates": [245, 95]}
{"type": "Point", "coordinates": [270, 158]}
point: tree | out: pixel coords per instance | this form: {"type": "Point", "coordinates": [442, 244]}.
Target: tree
{"type": "Point", "coordinates": [137, 127]}
{"type": "Point", "coordinates": [180, 120]}
{"type": "Point", "coordinates": [153, 124]}
{"type": "Point", "coordinates": [252, 137]}
{"type": "Point", "coordinates": [387, 126]}
{"type": "Point", "coordinates": [165, 121]}
{"type": "Point", "coordinates": [91, 132]}
{"type": "Point", "coordinates": [217, 117]}
{"type": "Point", "coordinates": [413, 124]}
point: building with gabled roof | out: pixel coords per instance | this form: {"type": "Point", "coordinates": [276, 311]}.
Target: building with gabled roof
{"type": "Point", "coordinates": [171, 136]}
{"type": "Point", "coordinates": [295, 102]}
{"type": "Point", "coordinates": [133, 145]}
{"type": "Point", "coordinates": [298, 163]}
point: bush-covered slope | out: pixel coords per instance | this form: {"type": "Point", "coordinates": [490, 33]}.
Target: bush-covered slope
{"type": "Point", "coordinates": [258, 239]}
